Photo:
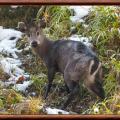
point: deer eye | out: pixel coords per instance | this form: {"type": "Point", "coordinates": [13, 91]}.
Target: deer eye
{"type": "Point", "coordinates": [37, 33]}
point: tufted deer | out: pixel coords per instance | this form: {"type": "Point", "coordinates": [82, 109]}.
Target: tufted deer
{"type": "Point", "coordinates": [77, 62]}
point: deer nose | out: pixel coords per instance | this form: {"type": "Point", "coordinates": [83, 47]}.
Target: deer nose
{"type": "Point", "coordinates": [34, 44]}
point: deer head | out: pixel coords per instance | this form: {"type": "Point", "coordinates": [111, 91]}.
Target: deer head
{"type": "Point", "coordinates": [94, 79]}
{"type": "Point", "coordinates": [34, 31]}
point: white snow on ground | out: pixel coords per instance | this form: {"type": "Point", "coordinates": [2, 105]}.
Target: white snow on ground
{"type": "Point", "coordinates": [51, 111]}
{"type": "Point", "coordinates": [8, 39]}
{"type": "Point", "coordinates": [80, 12]}
{"type": "Point", "coordinates": [22, 87]}
{"type": "Point", "coordinates": [55, 111]}
{"type": "Point", "coordinates": [118, 30]}
{"type": "Point", "coordinates": [14, 6]}
{"type": "Point", "coordinates": [11, 66]}
{"type": "Point", "coordinates": [84, 40]}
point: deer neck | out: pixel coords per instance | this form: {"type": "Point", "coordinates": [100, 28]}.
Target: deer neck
{"type": "Point", "coordinates": [43, 49]}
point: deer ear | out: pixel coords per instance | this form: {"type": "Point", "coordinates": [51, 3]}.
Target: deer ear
{"type": "Point", "coordinates": [42, 23]}
{"type": "Point", "coordinates": [21, 26]}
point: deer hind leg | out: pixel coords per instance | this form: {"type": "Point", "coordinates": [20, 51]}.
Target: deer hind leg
{"type": "Point", "coordinates": [51, 74]}
{"type": "Point", "coordinates": [74, 89]}
{"type": "Point", "coordinates": [67, 88]}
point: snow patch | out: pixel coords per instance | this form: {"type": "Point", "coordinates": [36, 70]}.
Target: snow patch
{"type": "Point", "coordinates": [84, 40]}
{"type": "Point", "coordinates": [52, 111]}
{"type": "Point", "coordinates": [22, 87]}
{"type": "Point", "coordinates": [8, 39]}
{"type": "Point", "coordinates": [80, 12]}
{"type": "Point", "coordinates": [96, 110]}
{"type": "Point", "coordinates": [11, 63]}
{"type": "Point", "coordinates": [11, 66]}
{"type": "Point", "coordinates": [55, 111]}
{"type": "Point", "coordinates": [14, 6]}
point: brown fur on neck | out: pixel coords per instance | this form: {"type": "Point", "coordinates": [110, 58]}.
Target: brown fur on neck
{"type": "Point", "coordinates": [42, 49]}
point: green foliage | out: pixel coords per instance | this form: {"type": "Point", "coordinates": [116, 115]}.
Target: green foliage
{"type": "Point", "coordinates": [58, 20]}
{"type": "Point", "coordinates": [1, 104]}
{"type": "Point", "coordinates": [39, 82]}
{"type": "Point", "coordinates": [111, 83]}
{"type": "Point", "coordinates": [116, 64]}
{"type": "Point", "coordinates": [110, 105]}
{"type": "Point", "coordinates": [103, 25]}
{"type": "Point", "coordinates": [31, 106]}
{"type": "Point", "coordinates": [11, 96]}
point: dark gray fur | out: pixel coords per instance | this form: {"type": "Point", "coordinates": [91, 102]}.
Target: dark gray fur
{"type": "Point", "coordinates": [72, 59]}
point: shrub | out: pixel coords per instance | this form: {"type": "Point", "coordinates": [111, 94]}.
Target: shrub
{"type": "Point", "coordinates": [57, 19]}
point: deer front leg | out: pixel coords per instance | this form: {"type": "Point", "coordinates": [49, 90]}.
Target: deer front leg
{"type": "Point", "coordinates": [51, 74]}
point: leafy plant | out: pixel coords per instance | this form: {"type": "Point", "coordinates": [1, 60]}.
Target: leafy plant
{"type": "Point", "coordinates": [39, 82]}
{"type": "Point", "coordinates": [57, 19]}
{"type": "Point", "coordinates": [103, 25]}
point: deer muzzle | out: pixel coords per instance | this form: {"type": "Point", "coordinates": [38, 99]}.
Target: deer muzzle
{"type": "Point", "coordinates": [34, 44]}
